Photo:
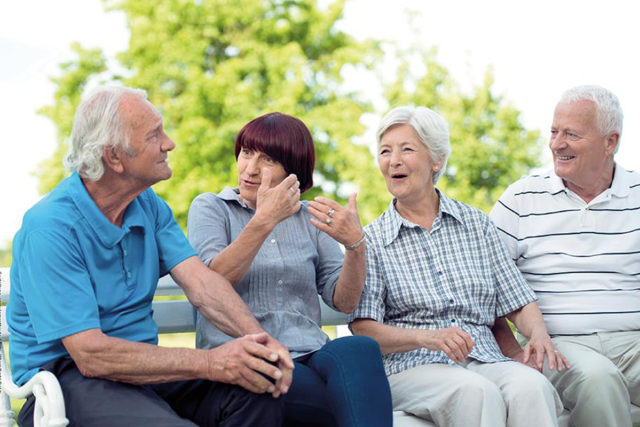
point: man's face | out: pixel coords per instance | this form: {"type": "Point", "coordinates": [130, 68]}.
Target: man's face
{"type": "Point", "coordinates": [582, 155]}
{"type": "Point", "coordinates": [146, 162]}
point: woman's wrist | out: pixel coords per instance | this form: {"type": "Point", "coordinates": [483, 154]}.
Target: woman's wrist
{"type": "Point", "coordinates": [357, 244]}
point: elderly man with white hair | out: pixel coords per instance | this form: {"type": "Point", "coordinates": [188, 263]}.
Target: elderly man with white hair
{"type": "Point", "coordinates": [437, 278]}
{"type": "Point", "coordinates": [86, 263]}
{"type": "Point", "coordinates": [574, 233]}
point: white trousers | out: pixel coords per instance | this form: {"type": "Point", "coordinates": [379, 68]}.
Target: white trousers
{"type": "Point", "coordinates": [604, 377]}
{"type": "Point", "coordinates": [477, 394]}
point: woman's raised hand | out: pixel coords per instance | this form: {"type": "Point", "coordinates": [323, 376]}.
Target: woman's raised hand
{"type": "Point", "coordinates": [339, 222]}
{"type": "Point", "coordinates": [277, 203]}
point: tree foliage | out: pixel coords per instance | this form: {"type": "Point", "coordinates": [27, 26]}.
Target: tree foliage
{"type": "Point", "coordinates": [212, 65]}
{"type": "Point", "coordinates": [490, 146]}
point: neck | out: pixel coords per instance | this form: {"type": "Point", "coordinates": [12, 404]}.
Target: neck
{"type": "Point", "coordinates": [594, 189]}
{"type": "Point", "coordinates": [112, 196]}
{"type": "Point", "coordinates": [422, 212]}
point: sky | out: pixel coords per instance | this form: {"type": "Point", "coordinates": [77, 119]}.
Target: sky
{"type": "Point", "coordinates": [537, 49]}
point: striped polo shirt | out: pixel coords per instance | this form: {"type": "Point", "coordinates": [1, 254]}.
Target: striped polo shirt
{"type": "Point", "coordinates": [582, 259]}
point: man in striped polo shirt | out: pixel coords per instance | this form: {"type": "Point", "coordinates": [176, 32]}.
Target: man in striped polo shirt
{"type": "Point", "coordinates": [574, 233]}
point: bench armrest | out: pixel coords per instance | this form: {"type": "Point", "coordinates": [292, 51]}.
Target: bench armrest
{"type": "Point", "coordinates": [49, 406]}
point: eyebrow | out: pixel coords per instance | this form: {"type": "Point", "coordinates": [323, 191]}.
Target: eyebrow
{"type": "Point", "coordinates": [154, 130]}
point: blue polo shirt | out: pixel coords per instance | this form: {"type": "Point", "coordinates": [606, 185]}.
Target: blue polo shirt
{"type": "Point", "coordinates": [73, 270]}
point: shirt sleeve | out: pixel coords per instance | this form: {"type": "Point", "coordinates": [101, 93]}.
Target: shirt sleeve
{"type": "Point", "coordinates": [506, 219]}
{"type": "Point", "coordinates": [330, 261]}
{"type": "Point", "coordinates": [57, 288]}
{"type": "Point", "coordinates": [173, 246]}
{"type": "Point", "coordinates": [208, 226]}
{"type": "Point", "coordinates": [371, 305]}
{"type": "Point", "coordinates": [512, 290]}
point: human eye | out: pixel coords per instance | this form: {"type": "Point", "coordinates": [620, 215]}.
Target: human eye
{"type": "Point", "coordinates": [572, 135]}
{"type": "Point", "coordinates": [246, 151]}
{"type": "Point", "coordinates": [383, 151]}
{"type": "Point", "coordinates": [554, 132]}
{"type": "Point", "coordinates": [153, 135]}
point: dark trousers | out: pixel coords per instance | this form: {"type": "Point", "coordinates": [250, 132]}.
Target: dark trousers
{"type": "Point", "coordinates": [93, 402]}
{"type": "Point", "coordinates": [342, 384]}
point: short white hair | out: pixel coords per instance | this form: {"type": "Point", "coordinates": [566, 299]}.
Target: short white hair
{"type": "Point", "coordinates": [431, 127]}
{"type": "Point", "coordinates": [98, 124]}
{"type": "Point", "coordinates": [608, 110]}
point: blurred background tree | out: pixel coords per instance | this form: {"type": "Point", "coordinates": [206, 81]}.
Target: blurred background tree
{"type": "Point", "coordinates": [490, 146]}
{"type": "Point", "coordinates": [213, 65]}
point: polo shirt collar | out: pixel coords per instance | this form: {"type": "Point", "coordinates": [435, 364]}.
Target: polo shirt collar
{"type": "Point", "coordinates": [619, 186]}
{"type": "Point", "coordinates": [396, 221]}
{"type": "Point", "coordinates": [108, 233]}
{"type": "Point", "coordinates": [233, 195]}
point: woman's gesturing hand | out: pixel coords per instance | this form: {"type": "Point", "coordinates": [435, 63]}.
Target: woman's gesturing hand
{"type": "Point", "coordinates": [277, 203]}
{"type": "Point", "coordinates": [341, 223]}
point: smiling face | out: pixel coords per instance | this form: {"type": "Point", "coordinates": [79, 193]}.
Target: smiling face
{"type": "Point", "coordinates": [406, 165]}
{"type": "Point", "coordinates": [582, 155]}
{"type": "Point", "coordinates": [145, 162]}
{"type": "Point", "coordinates": [251, 164]}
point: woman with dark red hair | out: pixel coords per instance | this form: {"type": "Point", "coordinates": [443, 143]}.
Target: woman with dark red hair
{"type": "Point", "coordinates": [280, 253]}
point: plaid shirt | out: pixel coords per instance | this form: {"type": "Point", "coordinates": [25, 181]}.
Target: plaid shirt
{"type": "Point", "coordinates": [457, 274]}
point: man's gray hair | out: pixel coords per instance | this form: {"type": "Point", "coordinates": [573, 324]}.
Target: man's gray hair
{"type": "Point", "coordinates": [98, 124]}
{"type": "Point", "coordinates": [431, 127]}
{"type": "Point", "coordinates": [608, 110]}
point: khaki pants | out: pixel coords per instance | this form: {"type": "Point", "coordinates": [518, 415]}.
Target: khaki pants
{"type": "Point", "coordinates": [477, 394]}
{"type": "Point", "coordinates": [603, 379]}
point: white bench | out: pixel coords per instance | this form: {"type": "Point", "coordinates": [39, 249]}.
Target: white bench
{"type": "Point", "coordinates": [172, 317]}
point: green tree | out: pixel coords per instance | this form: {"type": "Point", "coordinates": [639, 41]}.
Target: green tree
{"type": "Point", "coordinates": [490, 146]}
{"type": "Point", "coordinates": [5, 256]}
{"type": "Point", "coordinates": [211, 66]}
{"type": "Point", "coordinates": [69, 86]}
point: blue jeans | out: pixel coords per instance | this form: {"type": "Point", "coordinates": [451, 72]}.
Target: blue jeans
{"type": "Point", "coordinates": [341, 384]}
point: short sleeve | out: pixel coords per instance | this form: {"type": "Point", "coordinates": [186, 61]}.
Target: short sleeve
{"type": "Point", "coordinates": [371, 305]}
{"type": "Point", "coordinates": [512, 290]}
{"type": "Point", "coordinates": [173, 246]}
{"type": "Point", "coordinates": [330, 261]}
{"type": "Point", "coordinates": [208, 226]}
{"type": "Point", "coordinates": [57, 289]}
{"type": "Point", "coordinates": [506, 219]}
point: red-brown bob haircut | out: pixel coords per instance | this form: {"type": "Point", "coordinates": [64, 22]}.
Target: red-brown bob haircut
{"type": "Point", "coordinates": [283, 138]}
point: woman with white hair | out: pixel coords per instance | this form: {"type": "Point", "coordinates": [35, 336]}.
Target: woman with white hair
{"type": "Point", "coordinates": [437, 278]}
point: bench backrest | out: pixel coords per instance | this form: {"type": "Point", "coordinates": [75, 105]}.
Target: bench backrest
{"type": "Point", "coordinates": [170, 316]}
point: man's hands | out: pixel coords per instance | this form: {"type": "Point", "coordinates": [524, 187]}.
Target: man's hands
{"type": "Point", "coordinates": [285, 364]}
{"type": "Point", "coordinates": [456, 343]}
{"type": "Point", "coordinates": [538, 346]}
{"type": "Point", "coordinates": [245, 360]}
{"type": "Point", "coordinates": [280, 202]}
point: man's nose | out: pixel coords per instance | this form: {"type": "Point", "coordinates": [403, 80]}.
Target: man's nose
{"type": "Point", "coordinates": [557, 142]}
{"type": "Point", "coordinates": [167, 143]}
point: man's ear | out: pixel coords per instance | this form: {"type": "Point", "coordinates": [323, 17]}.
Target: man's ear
{"type": "Point", "coordinates": [612, 142]}
{"type": "Point", "coordinates": [112, 158]}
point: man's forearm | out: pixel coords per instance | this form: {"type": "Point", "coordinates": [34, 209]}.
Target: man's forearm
{"type": "Point", "coordinates": [98, 355]}
{"type": "Point", "coordinates": [505, 338]}
{"type": "Point", "coordinates": [214, 297]}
